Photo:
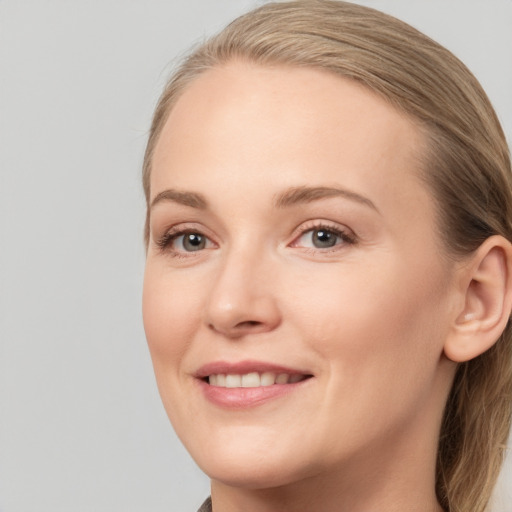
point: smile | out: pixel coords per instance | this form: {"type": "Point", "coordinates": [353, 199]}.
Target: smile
{"type": "Point", "coordinates": [245, 384]}
{"type": "Point", "coordinates": [253, 379]}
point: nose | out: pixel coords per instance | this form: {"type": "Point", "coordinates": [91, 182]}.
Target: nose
{"type": "Point", "coordinates": [242, 299]}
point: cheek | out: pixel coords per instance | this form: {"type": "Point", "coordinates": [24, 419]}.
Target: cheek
{"type": "Point", "coordinates": [171, 313]}
{"type": "Point", "coordinates": [375, 323]}
{"type": "Point", "coordinates": [380, 335]}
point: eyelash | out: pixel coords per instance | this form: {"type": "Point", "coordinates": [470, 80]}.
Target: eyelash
{"type": "Point", "coordinates": [346, 236]}
{"type": "Point", "coordinates": [165, 242]}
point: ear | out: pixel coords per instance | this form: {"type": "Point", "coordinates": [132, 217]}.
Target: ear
{"type": "Point", "coordinates": [486, 281]}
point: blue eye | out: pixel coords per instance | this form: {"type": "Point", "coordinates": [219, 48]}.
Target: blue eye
{"type": "Point", "coordinates": [323, 237]}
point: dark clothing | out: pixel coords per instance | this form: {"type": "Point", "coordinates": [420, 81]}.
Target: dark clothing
{"type": "Point", "coordinates": [206, 506]}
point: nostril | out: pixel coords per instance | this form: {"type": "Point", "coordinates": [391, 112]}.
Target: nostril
{"type": "Point", "coordinates": [239, 329]}
{"type": "Point", "coordinates": [240, 325]}
{"type": "Point", "coordinates": [248, 323]}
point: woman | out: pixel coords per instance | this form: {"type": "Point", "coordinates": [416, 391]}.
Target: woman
{"type": "Point", "coordinates": [328, 279]}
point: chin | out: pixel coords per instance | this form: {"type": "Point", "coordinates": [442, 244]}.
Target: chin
{"type": "Point", "coordinates": [250, 466]}
{"type": "Point", "coordinates": [266, 475]}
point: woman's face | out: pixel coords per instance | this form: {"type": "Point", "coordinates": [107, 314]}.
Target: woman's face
{"type": "Point", "coordinates": [296, 299]}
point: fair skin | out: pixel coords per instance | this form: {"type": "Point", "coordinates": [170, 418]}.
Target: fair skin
{"type": "Point", "coordinates": [289, 227]}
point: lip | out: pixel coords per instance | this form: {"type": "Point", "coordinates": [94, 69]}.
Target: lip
{"type": "Point", "coordinates": [243, 367]}
{"type": "Point", "coordinates": [242, 398]}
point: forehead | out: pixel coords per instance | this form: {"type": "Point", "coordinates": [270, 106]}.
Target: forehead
{"type": "Point", "coordinates": [244, 123]}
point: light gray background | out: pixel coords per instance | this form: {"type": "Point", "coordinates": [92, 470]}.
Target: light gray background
{"type": "Point", "coordinates": [81, 424]}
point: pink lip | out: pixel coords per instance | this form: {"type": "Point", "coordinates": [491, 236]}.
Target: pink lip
{"type": "Point", "coordinates": [241, 398]}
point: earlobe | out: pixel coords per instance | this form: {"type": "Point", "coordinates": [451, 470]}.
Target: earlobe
{"type": "Point", "coordinates": [487, 282]}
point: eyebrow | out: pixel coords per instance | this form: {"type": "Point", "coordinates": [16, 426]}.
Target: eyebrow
{"type": "Point", "coordinates": [290, 197]}
{"type": "Point", "coordinates": [192, 199]}
{"type": "Point", "coordinates": [301, 195]}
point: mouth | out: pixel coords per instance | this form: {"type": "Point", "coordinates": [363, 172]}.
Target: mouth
{"type": "Point", "coordinates": [253, 379]}
{"type": "Point", "coordinates": [248, 383]}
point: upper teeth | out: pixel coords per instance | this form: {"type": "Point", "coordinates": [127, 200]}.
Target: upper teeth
{"type": "Point", "coordinates": [252, 380]}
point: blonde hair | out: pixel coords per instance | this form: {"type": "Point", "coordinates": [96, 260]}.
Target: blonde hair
{"type": "Point", "coordinates": [467, 167]}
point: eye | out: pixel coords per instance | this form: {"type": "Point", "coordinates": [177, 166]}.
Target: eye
{"type": "Point", "coordinates": [323, 237]}
{"type": "Point", "coordinates": [320, 238]}
{"type": "Point", "coordinates": [179, 242]}
{"type": "Point", "coordinates": [190, 242]}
